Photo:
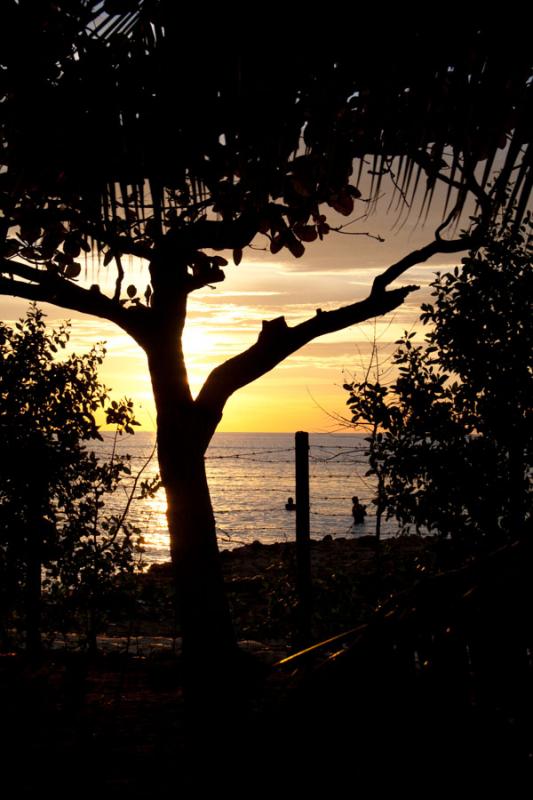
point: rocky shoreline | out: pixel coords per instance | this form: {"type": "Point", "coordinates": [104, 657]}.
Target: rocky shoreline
{"type": "Point", "coordinates": [350, 578]}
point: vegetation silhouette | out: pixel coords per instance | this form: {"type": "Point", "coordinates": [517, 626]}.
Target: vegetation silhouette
{"type": "Point", "coordinates": [59, 548]}
{"type": "Point", "coordinates": [144, 157]}
{"type": "Point", "coordinates": [451, 441]}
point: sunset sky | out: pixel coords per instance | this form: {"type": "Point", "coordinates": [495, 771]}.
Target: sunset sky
{"type": "Point", "coordinates": [306, 388]}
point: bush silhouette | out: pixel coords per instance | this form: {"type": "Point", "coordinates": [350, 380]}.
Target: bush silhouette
{"type": "Point", "coordinates": [452, 439]}
{"type": "Point", "coordinates": [56, 537]}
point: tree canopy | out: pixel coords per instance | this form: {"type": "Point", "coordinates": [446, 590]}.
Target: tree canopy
{"type": "Point", "coordinates": [111, 136]}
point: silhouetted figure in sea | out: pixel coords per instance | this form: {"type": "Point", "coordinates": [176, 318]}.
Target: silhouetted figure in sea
{"type": "Point", "coordinates": [358, 511]}
{"type": "Point", "coordinates": [290, 505]}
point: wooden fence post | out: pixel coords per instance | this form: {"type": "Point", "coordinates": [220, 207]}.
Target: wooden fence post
{"type": "Point", "coordinates": [303, 542]}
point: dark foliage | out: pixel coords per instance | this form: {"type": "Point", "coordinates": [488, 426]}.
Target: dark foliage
{"type": "Point", "coordinates": [55, 534]}
{"type": "Point", "coordinates": [452, 439]}
{"type": "Point", "coordinates": [119, 131]}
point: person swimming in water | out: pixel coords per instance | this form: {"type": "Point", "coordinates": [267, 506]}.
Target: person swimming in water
{"type": "Point", "coordinates": [358, 511]}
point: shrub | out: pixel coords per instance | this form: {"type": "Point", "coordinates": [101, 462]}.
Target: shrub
{"type": "Point", "coordinates": [451, 440]}
{"type": "Point", "coordinates": [55, 534]}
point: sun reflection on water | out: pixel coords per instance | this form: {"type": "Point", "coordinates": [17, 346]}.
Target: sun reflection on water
{"type": "Point", "coordinates": [250, 477]}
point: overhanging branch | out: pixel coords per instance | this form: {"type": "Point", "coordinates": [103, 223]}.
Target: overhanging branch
{"type": "Point", "coordinates": [487, 205]}
{"type": "Point", "coordinates": [43, 286]}
{"type": "Point", "coordinates": [212, 234]}
{"type": "Point", "coordinates": [485, 200]}
{"type": "Point", "coordinates": [419, 256]}
{"type": "Point", "coordinates": [33, 274]}
{"type": "Point", "coordinates": [277, 341]}
{"type": "Point", "coordinates": [28, 291]}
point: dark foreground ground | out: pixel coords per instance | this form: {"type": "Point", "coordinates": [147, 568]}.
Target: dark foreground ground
{"type": "Point", "coordinates": [116, 722]}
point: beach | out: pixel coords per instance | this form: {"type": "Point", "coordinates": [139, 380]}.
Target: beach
{"type": "Point", "coordinates": [350, 577]}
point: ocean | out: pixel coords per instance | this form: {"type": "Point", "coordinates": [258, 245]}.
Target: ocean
{"type": "Point", "coordinates": [251, 475]}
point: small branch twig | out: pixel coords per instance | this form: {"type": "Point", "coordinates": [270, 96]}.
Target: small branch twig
{"type": "Point", "coordinates": [358, 233]}
{"type": "Point", "coordinates": [131, 495]}
{"type": "Point", "coordinates": [120, 277]}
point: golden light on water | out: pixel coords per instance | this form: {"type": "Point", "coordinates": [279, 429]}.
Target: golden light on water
{"type": "Point", "coordinates": [156, 538]}
{"type": "Point", "coordinates": [156, 507]}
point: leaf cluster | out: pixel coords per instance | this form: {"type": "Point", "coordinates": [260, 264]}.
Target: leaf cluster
{"type": "Point", "coordinates": [247, 143]}
{"type": "Point", "coordinates": [451, 440]}
{"type": "Point", "coordinates": [52, 487]}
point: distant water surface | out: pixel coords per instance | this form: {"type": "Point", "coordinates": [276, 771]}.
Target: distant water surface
{"type": "Point", "coordinates": [251, 475]}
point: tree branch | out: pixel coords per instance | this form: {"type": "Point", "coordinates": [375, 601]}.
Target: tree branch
{"type": "Point", "coordinates": [439, 245]}
{"type": "Point", "coordinates": [444, 224]}
{"type": "Point", "coordinates": [120, 278]}
{"type": "Point", "coordinates": [419, 256]}
{"type": "Point", "coordinates": [124, 245]}
{"type": "Point", "coordinates": [47, 287]}
{"type": "Point", "coordinates": [375, 236]}
{"type": "Point", "coordinates": [33, 274]}
{"type": "Point", "coordinates": [213, 234]}
{"type": "Point", "coordinates": [27, 291]}
{"type": "Point", "coordinates": [277, 341]}
{"type": "Point", "coordinates": [469, 181]}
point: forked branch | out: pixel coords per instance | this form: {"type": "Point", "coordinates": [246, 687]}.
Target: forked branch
{"type": "Point", "coordinates": [278, 340]}
{"type": "Point", "coordinates": [22, 280]}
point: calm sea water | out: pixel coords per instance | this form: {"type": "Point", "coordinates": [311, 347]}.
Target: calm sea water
{"type": "Point", "coordinates": [251, 475]}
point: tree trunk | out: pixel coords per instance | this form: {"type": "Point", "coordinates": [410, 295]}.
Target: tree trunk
{"type": "Point", "coordinates": [211, 660]}
{"type": "Point", "coordinates": [203, 611]}
{"type": "Point", "coordinates": [33, 586]}
{"type": "Point", "coordinates": [182, 438]}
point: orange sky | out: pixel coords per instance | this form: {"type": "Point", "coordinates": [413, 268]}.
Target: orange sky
{"type": "Point", "coordinates": [302, 392]}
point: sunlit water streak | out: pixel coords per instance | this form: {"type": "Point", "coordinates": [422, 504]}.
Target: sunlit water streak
{"type": "Point", "coordinates": [250, 477]}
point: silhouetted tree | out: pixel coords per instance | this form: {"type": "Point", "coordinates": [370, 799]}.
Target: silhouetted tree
{"type": "Point", "coordinates": [123, 136]}
{"type": "Point", "coordinates": [452, 439]}
{"type": "Point", "coordinates": [54, 530]}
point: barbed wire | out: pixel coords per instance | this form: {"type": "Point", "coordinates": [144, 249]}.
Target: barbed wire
{"type": "Point", "coordinates": [243, 452]}
{"type": "Point", "coordinates": [327, 514]}
{"type": "Point", "coordinates": [253, 453]}
{"type": "Point", "coordinates": [332, 446]}
{"type": "Point", "coordinates": [229, 537]}
{"type": "Point", "coordinates": [315, 497]}
{"type": "Point", "coordinates": [250, 459]}
{"type": "Point", "coordinates": [254, 528]}
{"type": "Point", "coordinates": [343, 457]}
{"type": "Point", "coordinates": [287, 485]}
{"type": "Point", "coordinates": [329, 461]}
{"type": "Point", "coordinates": [337, 458]}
